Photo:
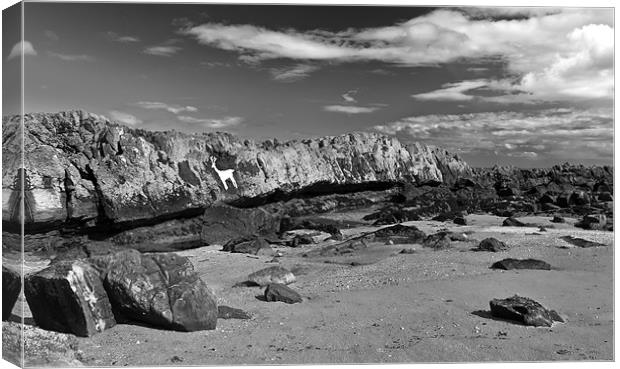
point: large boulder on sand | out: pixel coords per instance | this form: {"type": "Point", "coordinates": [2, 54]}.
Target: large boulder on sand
{"type": "Point", "coordinates": [158, 289]}
{"type": "Point", "coordinates": [524, 310]}
{"type": "Point", "coordinates": [279, 292]}
{"type": "Point", "coordinates": [492, 244]}
{"type": "Point", "coordinates": [11, 286]}
{"type": "Point", "coordinates": [69, 297]}
{"type": "Point", "coordinates": [274, 274]}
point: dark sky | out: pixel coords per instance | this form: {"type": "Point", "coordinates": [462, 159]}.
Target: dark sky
{"type": "Point", "coordinates": [522, 86]}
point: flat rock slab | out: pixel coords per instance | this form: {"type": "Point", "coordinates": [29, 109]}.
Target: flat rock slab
{"type": "Point", "coordinates": [279, 292]}
{"type": "Point", "coordinates": [525, 311]}
{"type": "Point", "coordinates": [509, 264]}
{"type": "Point", "coordinates": [227, 312]}
{"type": "Point", "coordinates": [248, 245]}
{"type": "Point", "coordinates": [158, 289]}
{"type": "Point", "coordinates": [274, 274]}
{"type": "Point", "coordinates": [11, 286]}
{"type": "Point", "coordinates": [512, 222]}
{"type": "Point", "coordinates": [492, 244]}
{"type": "Point", "coordinates": [580, 242]}
{"type": "Point", "coordinates": [401, 234]}
{"type": "Point", "coordinates": [225, 223]}
{"type": "Point", "coordinates": [69, 297]}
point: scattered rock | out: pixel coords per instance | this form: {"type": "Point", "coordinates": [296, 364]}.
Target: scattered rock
{"type": "Point", "coordinates": [580, 242]}
{"type": "Point", "coordinates": [274, 274]}
{"type": "Point", "coordinates": [524, 310]}
{"type": "Point", "coordinates": [512, 222]}
{"type": "Point", "coordinates": [11, 286]}
{"type": "Point", "coordinates": [176, 359]}
{"type": "Point", "coordinates": [227, 312]}
{"type": "Point", "coordinates": [593, 221]}
{"type": "Point", "coordinates": [69, 297]}
{"type": "Point", "coordinates": [159, 289]}
{"type": "Point", "coordinates": [508, 264]}
{"type": "Point", "coordinates": [558, 219]}
{"type": "Point", "coordinates": [280, 292]}
{"type": "Point", "coordinates": [407, 251]}
{"type": "Point", "coordinates": [605, 196]}
{"type": "Point", "coordinates": [492, 244]}
{"type": "Point", "coordinates": [437, 241]}
{"type": "Point", "coordinates": [549, 207]}
{"type": "Point", "coordinates": [401, 234]}
{"type": "Point", "coordinates": [460, 221]}
{"type": "Point", "coordinates": [247, 245]}
{"type": "Point", "coordinates": [305, 236]}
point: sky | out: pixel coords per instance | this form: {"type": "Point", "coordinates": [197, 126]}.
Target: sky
{"type": "Point", "coordinates": [530, 87]}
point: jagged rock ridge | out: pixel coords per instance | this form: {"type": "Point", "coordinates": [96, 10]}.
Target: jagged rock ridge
{"type": "Point", "coordinates": [81, 167]}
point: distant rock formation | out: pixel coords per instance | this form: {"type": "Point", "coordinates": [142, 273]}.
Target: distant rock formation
{"type": "Point", "coordinates": [83, 168]}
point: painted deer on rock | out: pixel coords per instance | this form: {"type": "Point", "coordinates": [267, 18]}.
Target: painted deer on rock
{"type": "Point", "coordinates": [224, 174]}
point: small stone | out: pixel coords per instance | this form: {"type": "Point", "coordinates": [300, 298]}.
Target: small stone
{"type": "Point", "coordinates": [274, 274]}
{"type": "Point", "coordinates": [280, 292]}
{"type": "Point", "coordinates": [227, 312]}
{"type": "Point", "coordinates": [512, 222]}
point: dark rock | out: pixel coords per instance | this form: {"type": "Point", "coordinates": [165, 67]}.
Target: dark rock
{"type": "Point", "coordinates": [492, 244]}
{"type": "Point", "coordinates": [508, 264]}
{"type": "Point", "coordinates": [274, 274]}
{"type": "Point", "coordinates": [247, 245]}
{"type": "Point", "coordinates": [11, 286]}
{"type": "Point", "coordinates": [507, 192]}
{"type": "Point", "coordinates": [407, 251]}
{"type": "Point", "coordinates": [581, 242]}
{"type": "Point", "coordinates": [401, 234]}
{"type": "Point", "coordinates": [558, 219]}
{"type": "Point", "coordinates": [547, 199]}
{"type": "Point", "coordinates": [227, 312]}
{"type": "Point", "coordinates": [280, 292]}
{"type": "Point", "coordinates": [225, 223]}
{"type": "Point", "coordinates": [512, 222]}
{"type": "Point", "coordinates": [605, 196]}
{"type": "Point", "coordinates": [563, 200]}
{"type": "Point", "coordinates": [460, 221]}
{"type": "Point", "coordinates": [318, 224]}
{"type": "Point", "coordinates": [437, 241]}
{"type": "Point", "coordinates": [69, 297]}
{"type": "Point", "coordinates": [579, 198]}
{"type": "Point", "coordinates": [593, 221]}
{"type": "Point", "coordinates": [524, 310]}
{"type": "Point", "coordinates": [158, 289]}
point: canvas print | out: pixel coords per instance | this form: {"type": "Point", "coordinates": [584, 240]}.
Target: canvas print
{"type": "Point", "coordinates": [230, 184]}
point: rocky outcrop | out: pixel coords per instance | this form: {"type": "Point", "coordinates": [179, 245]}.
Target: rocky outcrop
{"type": "Point", "coordinates": [85, 168]}
{"type": "Point", "coordinates": [11, 286]}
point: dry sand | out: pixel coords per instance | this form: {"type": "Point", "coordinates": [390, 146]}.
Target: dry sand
{"type": "Point", "coordinates": [429, 306]}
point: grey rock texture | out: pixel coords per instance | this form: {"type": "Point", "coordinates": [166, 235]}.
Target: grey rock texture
{"type": "Point", "coordinates": [84, 167]}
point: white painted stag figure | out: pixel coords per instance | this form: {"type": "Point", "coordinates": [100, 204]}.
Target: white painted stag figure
{"type": "Point", "coordinates": [224, 174]}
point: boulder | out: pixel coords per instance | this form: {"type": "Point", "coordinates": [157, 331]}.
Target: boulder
{"type": "Point", "coordinates": [525, 311]}
{"type": "Point", "coordinates": [279, 292]}
{"type": "Point", "coordinates": [512, 222]}
{"type": "Point", "coordinates": [274, 274]}
{"type": "Point", "coordinates": [437, 241]}
{"type": "Point", "coordinates": [547, 199]}
{"type": "Point", "coordinates": [558, 219]}
{"type": "Point", "coordinates": [222, 224]}
{"type": "Point", "coordinates": [593, 221]}
{"type": "Point", "coordinates": [605, 196]}
{"type": "Point", "coordinates": [11, 287]}
{"type": "Point", "coordinates": [460, 221]}
{"type": "Point", "coordinates": [69, 297]}
{"type": "Point", "coordinates": [492, 244]}
{"type": "Point", "coordinates": [579, 198]}
{"type": "Point", "coordinates": [563, 200]}
{"type": "Point", "coordinates": [162, 290]}
{"type": "Point", "coordinates": [508, 264]}
{"type": "Point", "coordinates": [580, 242]}
{"type": "Point", "coordinates": [247, 245]}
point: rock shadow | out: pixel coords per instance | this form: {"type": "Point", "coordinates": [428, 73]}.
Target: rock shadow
{"type": "Point", "coordinates": [487, 315]}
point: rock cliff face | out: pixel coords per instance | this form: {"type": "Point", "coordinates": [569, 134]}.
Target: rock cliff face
{"type": "Point", "coordinates": [84, 168]}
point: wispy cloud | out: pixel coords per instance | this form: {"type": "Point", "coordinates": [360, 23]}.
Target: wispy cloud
{"type": "Point", "coordinates": [125, 118]}
{"type": "Point", "coordinates": [72, 57]}
{"type": "Point", "coordinates": [557, 134]}
{"type": "Point", "coordinates": [113, 36]}
{"type": "Point", "coordinates": [16, 51]}
{"type": "Point", "coordinates": [452, 91]}
{"type": "Point", "coordinates": [292, 74]}
{"type": "Point", "coordinates": [348, 96]}
{"type": "Point", "coordinates": [349, 109]}
{"type": "Point", "coordinates": [174, 109]}
{"type": "Point", "coordinates": [162, 50]}
{"type": "Point", "coordinates": [225, 122]}
{"type": "Point", "coordinates": [569, 53]}
{"type": "Point", "coordinates": [51, 35]}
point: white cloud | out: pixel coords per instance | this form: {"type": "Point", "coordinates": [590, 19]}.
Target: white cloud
{"type": "Point", "coordinates": [212, 123]}
{"type": "Point", "coordinates": [452, 91]}
{"type": "Point", "coordinates": [125, 118]}
{"type": "Point", "coordinates": [162, 50]}
{"type": "Point", "coordinates": [292, 74]}
{"type": "Point", "coordinates": [348, 96]}
{"type": "Point", "coordinates": [540, 134]}
{"type": "Point", "coordinates": [72, 57]}
{"type": "Point", "coordinates": [556, 54]}
{"type": "Point", "coordinates": [24, 46]}
{"type": "Point", "coordinates": [348, 109]}
{"type": "Point", "coordinates": [127, 39]}
{"type": "Point", "coordinates": [174, 109]}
